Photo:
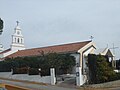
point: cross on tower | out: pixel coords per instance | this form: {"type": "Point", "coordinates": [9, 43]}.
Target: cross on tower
{"type": "Point", "coordinates": [17, 22]}
{"type": "Point", "coordinates": [91, 37]}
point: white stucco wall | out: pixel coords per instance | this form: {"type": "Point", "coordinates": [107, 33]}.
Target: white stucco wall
{"type": "Point", "coordinates": [26, 77]}
{"type": "Point", "coordinates": [35, 78]}
{"type": "Point", "coordinates": [77, 58]}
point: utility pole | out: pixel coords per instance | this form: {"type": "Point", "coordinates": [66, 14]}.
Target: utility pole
{"type": "Point", "coordinates": [114, 48]}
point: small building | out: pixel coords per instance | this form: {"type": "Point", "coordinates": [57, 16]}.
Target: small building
{"type": "Point", "coordinates": [107, 52]}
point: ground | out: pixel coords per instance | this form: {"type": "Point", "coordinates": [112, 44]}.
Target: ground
{"type": "Point", "coordinates": [41, 86]}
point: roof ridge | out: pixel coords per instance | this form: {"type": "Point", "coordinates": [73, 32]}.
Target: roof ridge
{"type": "Point", "coordinates": [63, 48]}
{"type": "Point", "coordinates": [56, 45]}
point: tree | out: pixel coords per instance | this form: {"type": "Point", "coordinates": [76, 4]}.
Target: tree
{"type": "Point", "coordinates": [118, 64]}
{"type": "Point", "coordinates": [104, 71]}
{"type": "Point", "coordinates": [1, 26]}
{"type": "Point", "coordinates": [100, 70]}
{"type": "Point", "coordinates": [61, 62]}
{"type": "Point", "coordinates": [67, 63]}
{"type": "Point", "coordinates": [92, 60]}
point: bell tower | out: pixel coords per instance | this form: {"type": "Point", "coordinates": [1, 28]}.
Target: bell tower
{"type": "Point", "coordinates": [17, 39]}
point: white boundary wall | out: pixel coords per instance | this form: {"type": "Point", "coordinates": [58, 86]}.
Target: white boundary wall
{"type": "Point", "coordinates": [36, 78]}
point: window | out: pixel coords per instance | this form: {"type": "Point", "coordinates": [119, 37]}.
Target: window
{"type": "Point", "coordinates": [18, 40]}
{"type": "Point", "coordinates": [15, 40]}
{"type": "Point", "coordinates": [21, 41]}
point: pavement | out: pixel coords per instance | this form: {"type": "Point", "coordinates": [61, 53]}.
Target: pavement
{"type": "Point", "coordinates": [35, 86]}
{"type": "Point", "coordinates": [117, 88]}
{"type": "Point", "coordinates": [61, 86]}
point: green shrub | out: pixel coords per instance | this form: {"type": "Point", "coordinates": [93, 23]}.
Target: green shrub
{"type": "Point", "coordinates": [63, 62]}
{"type": "Point", "coordinates": [5, 66]}
{"type": "Point", "coordinates": [23, 70]}
{"type": "Point", "coordinates": [33, 71]}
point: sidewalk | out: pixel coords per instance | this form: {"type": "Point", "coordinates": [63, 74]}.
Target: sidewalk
{"type": "Point", "coordinates": [33, 85]}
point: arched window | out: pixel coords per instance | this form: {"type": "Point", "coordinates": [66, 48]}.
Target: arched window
{"type": "Point", "coordinates": [21, 41]}
{"type": "Point", "coordinates": [18, 40]}
{"type": "Point", "coordinates": [15, 40]}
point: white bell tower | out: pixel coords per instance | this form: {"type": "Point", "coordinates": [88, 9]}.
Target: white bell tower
{"type": "Point", "coordinates": [17, 39]}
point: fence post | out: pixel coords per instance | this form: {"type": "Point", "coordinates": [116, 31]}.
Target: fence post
{"type": "Point", "coordinates": [53, 78]}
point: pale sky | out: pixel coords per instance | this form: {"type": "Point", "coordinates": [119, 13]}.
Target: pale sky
{"type": "Point", "coordinates": [51, 22]}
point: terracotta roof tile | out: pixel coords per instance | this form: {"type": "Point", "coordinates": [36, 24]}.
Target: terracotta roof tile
{"type": "Point", "coordinates": [71, 47]}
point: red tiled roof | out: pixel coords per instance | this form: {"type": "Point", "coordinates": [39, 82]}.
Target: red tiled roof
{"type": "Point", "coordinates": [65, 48]}
{"type": "Point", "coordinates": [5, 51]}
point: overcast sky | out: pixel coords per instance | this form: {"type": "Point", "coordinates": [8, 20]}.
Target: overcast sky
{"type": "Point", "coordinates": [51, 22]}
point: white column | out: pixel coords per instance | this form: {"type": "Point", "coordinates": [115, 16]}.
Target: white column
{"type": "Point", "coordinates": [53, 78]}
{"type": "Point", "coordinates": [78, 76]}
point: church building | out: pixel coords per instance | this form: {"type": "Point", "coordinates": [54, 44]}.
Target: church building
{"type": "Point", "coordinates": [79, 50]}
